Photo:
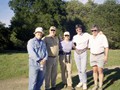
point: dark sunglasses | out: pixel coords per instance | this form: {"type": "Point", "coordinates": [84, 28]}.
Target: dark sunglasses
{"type": "Point", "coordinates": [66, 35]}
{"type": "Point", "coordinates": [52, 30]}
{"type": "Point", "coordinates": [93, 30]}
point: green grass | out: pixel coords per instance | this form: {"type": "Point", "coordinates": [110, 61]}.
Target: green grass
{"type": "Point", "coordinates": [15, 64]}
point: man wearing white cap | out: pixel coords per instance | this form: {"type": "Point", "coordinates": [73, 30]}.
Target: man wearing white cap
{"type": "Point", "coordinates": [37, 57]}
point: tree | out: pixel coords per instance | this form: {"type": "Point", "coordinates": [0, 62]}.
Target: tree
{"type": "Point", "coordinates": [4, 37]}
{"type": "Point", "coordinates": [30, 14]}
{"type": "Point", "coordinates": [107, 17]}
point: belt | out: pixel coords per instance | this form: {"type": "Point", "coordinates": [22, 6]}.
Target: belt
{"type": "Point", "coordinates": [52, 56]}
{"type": "Point", "coordinates": [64, 53]}
{"type": "Point", "coordinates": [80, 51]}
{"type": "Point", "coordinates": [97, 54]}
{"type": "Point", "coordinates": [67, 53]}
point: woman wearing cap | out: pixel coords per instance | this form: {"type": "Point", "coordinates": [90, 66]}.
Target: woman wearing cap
{"type": "Point", "coordinates": [37, 57]}
{"type": "Point", "coordinates": [65, 60]}
{"type": "Point", "coordinates": [98, 45]}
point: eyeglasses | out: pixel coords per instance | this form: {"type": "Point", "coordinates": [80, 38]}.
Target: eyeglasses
{"type": "Point", "coordinates": [52, 30]}
{"type": "Point", "coordinates": [66, 35]}
{"type": "Point", "coordinates": [94, 30]}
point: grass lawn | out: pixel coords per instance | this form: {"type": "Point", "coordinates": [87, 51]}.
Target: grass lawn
{"type": "Point", "coordinates": [15, 65]}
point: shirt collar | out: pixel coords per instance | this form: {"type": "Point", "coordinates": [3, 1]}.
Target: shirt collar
{"type": "Point", "coordinates": [37, 39]}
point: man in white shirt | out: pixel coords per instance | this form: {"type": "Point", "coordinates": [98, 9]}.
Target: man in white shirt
{"type": "Point", "coordinates": [98, 45]}
{"type": "Point", "coordinates": [80, 54]}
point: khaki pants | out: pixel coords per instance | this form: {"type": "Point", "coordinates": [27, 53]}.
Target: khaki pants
{"type": "Point", "coordinates": [51, 72]}
{"type": "Point", "coordinates": [65, 70]}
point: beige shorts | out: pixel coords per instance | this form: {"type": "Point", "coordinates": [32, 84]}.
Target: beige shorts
{"type": "Point", "coordinates": [97, 60]}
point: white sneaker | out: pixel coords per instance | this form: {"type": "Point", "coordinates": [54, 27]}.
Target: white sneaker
{"type": "Point", "coordinates": [84, 86]}
{"type": "Point", "coordinates": [79, 84]}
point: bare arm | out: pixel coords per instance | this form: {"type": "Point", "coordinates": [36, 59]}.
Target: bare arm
{"type": "Point", "coordinates": [106, 54]}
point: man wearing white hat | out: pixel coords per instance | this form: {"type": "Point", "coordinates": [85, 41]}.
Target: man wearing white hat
{"type": "Point", "coordinates": [37, 57]}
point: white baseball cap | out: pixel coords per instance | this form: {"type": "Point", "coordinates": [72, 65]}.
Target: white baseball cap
{"type": "Point", "coordinates": [39, 29]}
{"type": "Point", "coordinates": [66, 33]}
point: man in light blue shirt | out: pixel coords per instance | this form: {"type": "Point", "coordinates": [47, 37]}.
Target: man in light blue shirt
{"type": "Point", "coordinates": [37, 57]}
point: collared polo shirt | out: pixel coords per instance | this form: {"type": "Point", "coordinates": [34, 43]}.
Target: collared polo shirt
{"type": "Point", "coordinates": [66, 46]}
{"type": "Point", "coordinates": [98, 43]}
{"type": "Point", "coordinates": [52, 44]}
{"type": "Point", "coordinates": [81, 40]}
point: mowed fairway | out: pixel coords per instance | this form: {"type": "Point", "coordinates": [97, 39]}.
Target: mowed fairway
{"type": "Point", "coordinates": [14, 71]}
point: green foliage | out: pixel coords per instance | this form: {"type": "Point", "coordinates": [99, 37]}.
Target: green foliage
{"type": "Point", "coordinates": [105, 15]}
{"type": "Point", "coordinates": [4, 37]}
{"type": "Point", "coordinates": [17, 43]}
{"type": "Point", "coordinates": [30, 14]}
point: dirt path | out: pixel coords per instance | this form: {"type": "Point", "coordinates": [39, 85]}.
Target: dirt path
{"type": "Point", "coordinates": [14, 84]}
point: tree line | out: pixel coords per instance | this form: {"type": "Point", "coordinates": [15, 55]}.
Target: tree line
{"type": "Point", "coordinates": [29, 14]}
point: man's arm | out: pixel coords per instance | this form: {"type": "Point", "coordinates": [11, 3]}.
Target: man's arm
{"type": "Point", "coordinates": [106, 55]}
{"type": "Point", "coordinates": [46, 55]}
{"type": "Point", "coordinates": [31, 51]}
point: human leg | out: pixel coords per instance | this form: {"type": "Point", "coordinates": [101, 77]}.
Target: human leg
{"type": "Point", "coordinates": [95, 74]}
{"type": "Point", "coordinates": [101, 75]}
{"type": "Point", "coordinates": [48, 73]}
{"type": "Point", "coordinates": [95, 77]}
{"type": "Point", "coordinates": [78, 63]}
{"type": "Point", "coordinates": [83, 69]}
{"type": "Point", "coordinates": [69, 75]}
{"type": "Point", "coordinates": [63, 68]}
{"type": "Point", "coordinates": [54, 72]}
{"type": "Point", "coordinates": [33, 72]}
{"type": "Point", "coordinates": [40, 78]}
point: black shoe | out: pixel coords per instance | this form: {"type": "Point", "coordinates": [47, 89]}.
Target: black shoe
{"type": "Point", "coordinates": [64, 85]}
{"type": "Point", "coordinates": [53, 88]}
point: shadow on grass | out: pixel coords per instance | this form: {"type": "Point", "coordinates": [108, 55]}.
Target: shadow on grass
{"type": "Point", "coordinates": [111, 76]}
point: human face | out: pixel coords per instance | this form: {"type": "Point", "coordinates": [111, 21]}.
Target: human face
{"type": "Point", "coordinates": [66, 37]}
{"type": "Point", "coordinates": [79, 30]}
{"type": "Point", "coordinates": [38, 35]}
{"type": "Point", "coordinates": [52, 32]}
{"type": "Point", "coordinates": [94, 32]}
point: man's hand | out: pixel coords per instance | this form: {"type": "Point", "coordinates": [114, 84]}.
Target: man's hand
{"type": "Point", "coordinates": [42, 62]}
{"type": "Point", "coordinates": [105, 59]}
{"type": "Point", "coordinates": [100, 32]}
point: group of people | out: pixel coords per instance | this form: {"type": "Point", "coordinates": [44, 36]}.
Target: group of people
{"type": "Point", "coordinates": [45, 52]}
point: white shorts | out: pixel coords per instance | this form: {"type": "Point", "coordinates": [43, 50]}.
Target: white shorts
{"type": "Point", "coordinates": [97, 60]}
